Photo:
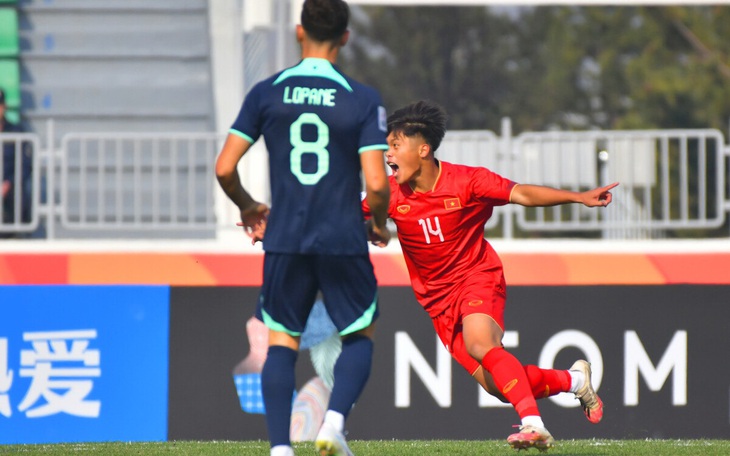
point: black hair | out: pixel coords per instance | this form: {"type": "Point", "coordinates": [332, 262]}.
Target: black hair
{"type": "Point", "coordinates": [424, 118]}
{"type": "Point", "coordinates": [325, 20]}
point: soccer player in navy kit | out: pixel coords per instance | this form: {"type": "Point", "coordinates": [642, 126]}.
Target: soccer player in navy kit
{"type": "Point", "coordinates": [321, 129]}
{"type": "Point", "coordinates": [440, 210]}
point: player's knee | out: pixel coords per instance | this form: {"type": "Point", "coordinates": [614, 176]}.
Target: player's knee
{"type": "Point", "coordinates": [478, 349]}
{"type": "Point", "coordinates": [487, 383]}
{"type": "Point", "coordinates": [368, 332]}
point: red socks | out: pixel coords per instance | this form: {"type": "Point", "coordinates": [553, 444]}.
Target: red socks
{"type": "Point", "coordinates": [511, 378]}
{"type": "Point", "coordinates": [547, 382]}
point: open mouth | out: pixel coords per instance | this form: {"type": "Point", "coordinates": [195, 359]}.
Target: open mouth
{"type": "Point", "coordinates": [394, 168]}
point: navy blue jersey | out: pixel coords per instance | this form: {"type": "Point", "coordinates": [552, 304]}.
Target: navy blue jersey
{"type": "Point", "coordinates": [315, 122]}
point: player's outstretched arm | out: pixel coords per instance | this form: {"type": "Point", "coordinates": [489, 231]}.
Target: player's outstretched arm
{"type": "Point", "coordinates": [537, 195]}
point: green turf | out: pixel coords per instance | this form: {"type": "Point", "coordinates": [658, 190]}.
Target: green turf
{"type": "Point", "coordinates": [386, 448]}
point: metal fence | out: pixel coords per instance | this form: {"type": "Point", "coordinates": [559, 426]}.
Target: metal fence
{"type": "Point", "coordinates": [154, 184]}
{"type": "Point", "coordinates": [138, 181]}
{"type": "Point", "coordinates": [20, 183]}
{"type": "Point", "coordinates": [669, 179]}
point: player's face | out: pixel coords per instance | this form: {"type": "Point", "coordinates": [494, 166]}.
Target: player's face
{"type": "Point", "coordinates": [404, 156]}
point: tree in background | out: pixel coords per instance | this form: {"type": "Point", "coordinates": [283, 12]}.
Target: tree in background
{"type": "Point", "coordinates": [681, 77]}
{"type": "Point", "coordinates": [567, 67]}
{"type": "Point", "coordinates": [453, 55]}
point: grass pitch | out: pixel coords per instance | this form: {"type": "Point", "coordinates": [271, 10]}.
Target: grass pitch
{"type": "Point", "coordinates": [385, 448]}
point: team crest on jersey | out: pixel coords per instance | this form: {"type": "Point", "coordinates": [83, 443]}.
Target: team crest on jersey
{"type": "Point", "coordinates": [404, 208]}
{"type": "Point", "coordinates": [452, 203]}
{"type": "Point", "coordinates": [382, 119]}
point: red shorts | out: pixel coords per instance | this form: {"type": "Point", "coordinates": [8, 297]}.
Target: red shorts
{"type": "Point", "coordinates": [482, 293]}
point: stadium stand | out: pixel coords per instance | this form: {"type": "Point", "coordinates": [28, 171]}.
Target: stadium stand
{"type": "Point", "coordinates": [116, 66]}
{"type": "Point", "coordinates": [111, 67]}
{"type": "Point", "coordinates": [9, 64]}
{"type": "Point", "coordinates": [8, 32]}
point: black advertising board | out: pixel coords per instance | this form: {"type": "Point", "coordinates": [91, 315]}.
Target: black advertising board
{"type": "Point", "coordinates": [659, 353]}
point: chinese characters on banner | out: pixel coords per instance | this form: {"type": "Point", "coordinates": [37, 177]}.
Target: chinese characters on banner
{"type": "Point", "coordinates": [61, 367]}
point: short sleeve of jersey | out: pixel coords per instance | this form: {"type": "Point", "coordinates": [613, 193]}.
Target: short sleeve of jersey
{"type": "Point", "coordinates": [248, 122]}
{"type": "Point", "coordinates": [372, 135]}
{"type": "Point", "coordinates": [490, 187]}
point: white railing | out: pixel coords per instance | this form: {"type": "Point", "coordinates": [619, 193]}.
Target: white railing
{"type": "Point", "coordinates": [19, 160]}
{"type": "Point", "coordinates": [138, 181]}
{"type": "Point", "coordinates": [669, 179]}
{"type": "Point", "coordinates": [147, 183]}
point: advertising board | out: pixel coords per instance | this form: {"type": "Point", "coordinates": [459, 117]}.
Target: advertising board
{"type": "Point", "coordinates": [83, 364]}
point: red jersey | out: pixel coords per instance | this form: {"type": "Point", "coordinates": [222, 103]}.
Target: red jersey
{"type": "Point", "coordinates": [441, 232]}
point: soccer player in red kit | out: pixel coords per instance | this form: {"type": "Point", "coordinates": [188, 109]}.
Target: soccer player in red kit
{"type": "Point", "coordinates": [440, 210]}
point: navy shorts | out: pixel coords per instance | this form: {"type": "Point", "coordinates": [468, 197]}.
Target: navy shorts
{"type": "Point", "coordinates": [292, 281]}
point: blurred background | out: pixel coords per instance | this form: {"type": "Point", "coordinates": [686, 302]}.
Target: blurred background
{"type": "Point", "coordinates": [125, 103]}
